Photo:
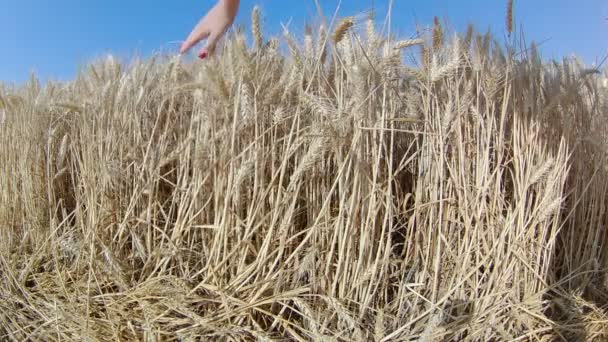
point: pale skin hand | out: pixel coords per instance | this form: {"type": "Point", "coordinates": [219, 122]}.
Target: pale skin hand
{"type": "Point", "coordinates": [212, 27]}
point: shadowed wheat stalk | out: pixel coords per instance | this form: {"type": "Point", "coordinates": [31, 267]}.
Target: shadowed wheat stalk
{"type": "Point", "coordinates": [509, 19]}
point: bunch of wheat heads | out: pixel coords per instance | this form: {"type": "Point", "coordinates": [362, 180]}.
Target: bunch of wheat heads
{"type": "Point", "coordinates": [330, 193]}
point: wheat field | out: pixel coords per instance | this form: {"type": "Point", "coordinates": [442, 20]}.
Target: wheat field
{"type": "Point", "coordinates": [341, 186]}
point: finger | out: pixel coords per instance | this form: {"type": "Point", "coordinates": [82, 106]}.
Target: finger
{"type": "Point", "coordinates": [192, 40]}
{"type": "Point", "coordinates": [210, 46]}
{"type": "Point", "coordinates": [195, 37]}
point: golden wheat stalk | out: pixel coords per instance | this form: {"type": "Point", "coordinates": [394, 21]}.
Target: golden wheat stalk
{"type": "Point", "coordinates": [256, 28]}
{"type": "Point", "coordinates": [403, 44]}
{"type": "Point", "coordinates": [342, 28]}
{"type": "Point", "coordinates": [437, 34]}
{"type": "Point", "coordinates": [293, 199]}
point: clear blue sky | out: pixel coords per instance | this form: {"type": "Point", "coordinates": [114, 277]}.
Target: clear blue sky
{"type": "Point", "coordinates": [53, 38]}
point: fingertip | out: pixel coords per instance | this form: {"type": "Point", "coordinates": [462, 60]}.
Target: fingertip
{"type": "Point", "coordinates": [183, 49]}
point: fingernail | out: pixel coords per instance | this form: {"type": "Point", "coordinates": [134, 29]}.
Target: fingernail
{"type": "Point", "coordinates": [202, 55]}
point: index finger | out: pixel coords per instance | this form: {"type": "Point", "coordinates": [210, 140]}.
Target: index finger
{"type": "Point", "coordinates": [196, 36]}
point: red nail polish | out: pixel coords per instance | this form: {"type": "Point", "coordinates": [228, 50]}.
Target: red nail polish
{"type": "Point", "coordinates": [202, 55]}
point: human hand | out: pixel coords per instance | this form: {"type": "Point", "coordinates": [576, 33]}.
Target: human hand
{"type": "Point", "coordinates": [212, 27]}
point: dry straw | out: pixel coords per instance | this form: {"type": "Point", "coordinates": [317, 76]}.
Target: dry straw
{"type": "Point", "coordinates": [306, 196]}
